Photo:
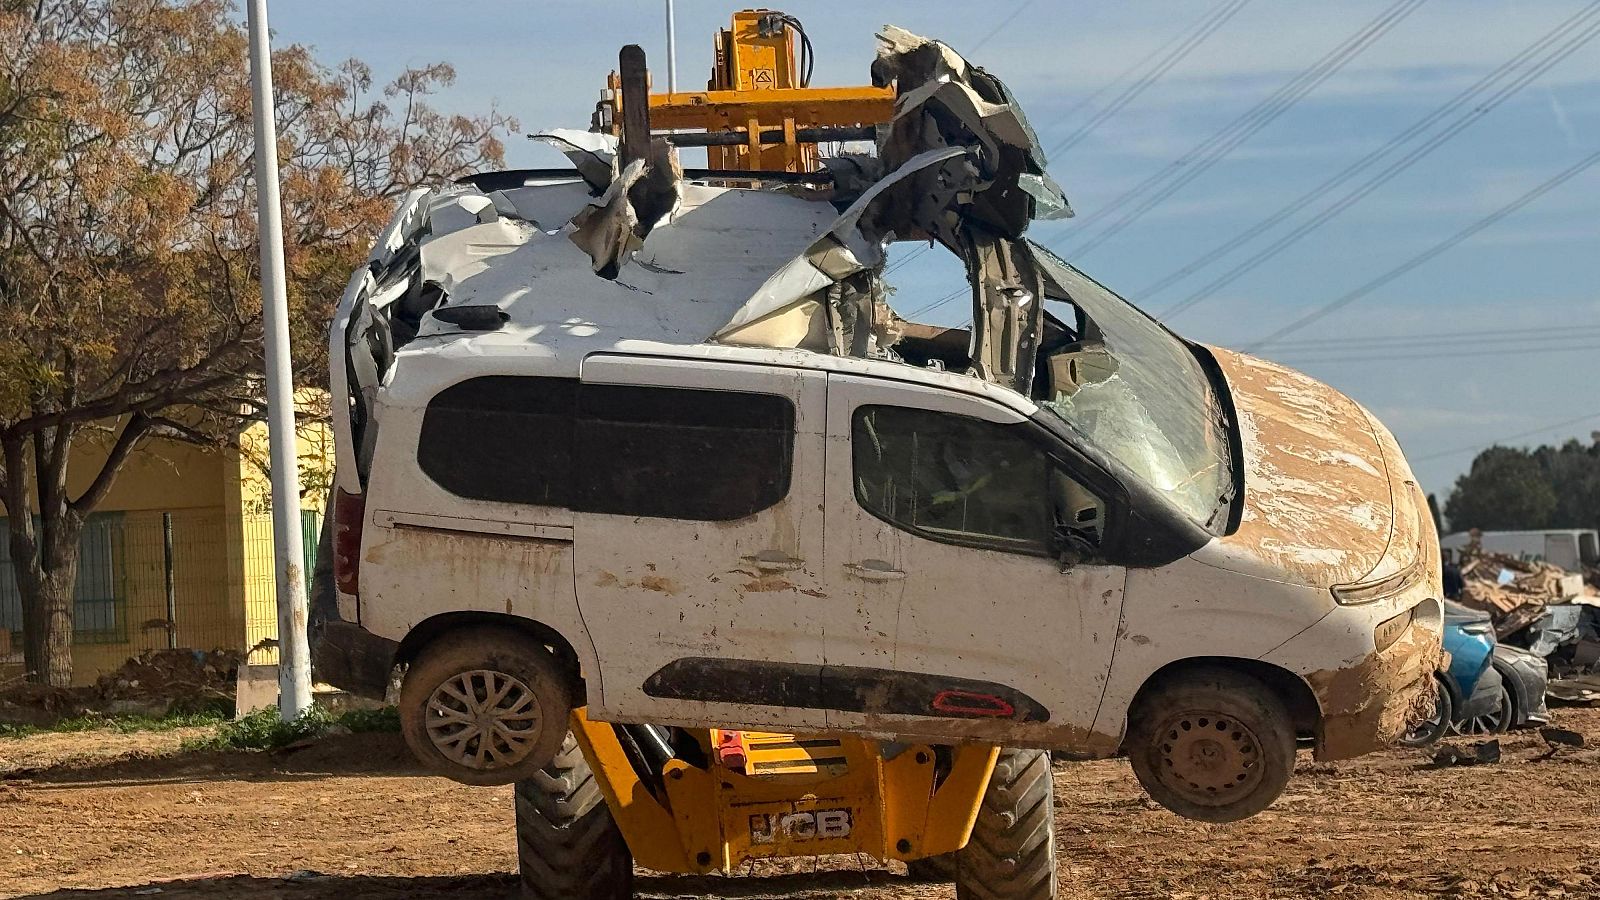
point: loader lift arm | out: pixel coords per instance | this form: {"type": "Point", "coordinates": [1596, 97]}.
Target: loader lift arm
{"type": "Point", "coordinates": [697, 801]}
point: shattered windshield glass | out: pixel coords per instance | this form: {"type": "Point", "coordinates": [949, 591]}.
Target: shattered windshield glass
{"type": "Point", "coordinates": [1135, 391]}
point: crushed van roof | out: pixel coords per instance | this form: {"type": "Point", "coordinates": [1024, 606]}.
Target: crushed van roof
{"type": "Point", "coordinates": [693, 272]}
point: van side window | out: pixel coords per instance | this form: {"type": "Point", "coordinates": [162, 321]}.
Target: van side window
{"type": "Point", "coordinates": [682, 453]}
{"type": "Point", "coordinates": [632, 451]}
{"type": "Point", "coordinates": [502, 437]}
{"type": "Point", "coordinates": [962, 480]}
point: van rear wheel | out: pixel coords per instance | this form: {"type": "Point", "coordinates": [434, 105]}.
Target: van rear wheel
{"type": "Point", "coordinates": [485, 706]}
{"type": "Point", "coordinates": [1212, 744]}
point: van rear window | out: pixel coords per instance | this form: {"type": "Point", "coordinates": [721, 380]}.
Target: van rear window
{"type": "Point", "coordinates": [502, 437]}
{"type": "Point", "coordinates": [617, 449]}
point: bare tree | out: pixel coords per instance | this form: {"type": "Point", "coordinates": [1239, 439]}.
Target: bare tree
{"type": "Point", "coordinates": [129, 306]}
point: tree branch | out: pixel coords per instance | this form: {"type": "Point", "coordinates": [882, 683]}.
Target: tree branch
{"type": "Point", "coordinates": [132, 431]}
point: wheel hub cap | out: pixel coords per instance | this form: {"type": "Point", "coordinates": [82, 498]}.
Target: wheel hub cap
{"type": "Point", "coordinates": [1208, 758]}
{"type": "Point", "coordinates": [483, 720]}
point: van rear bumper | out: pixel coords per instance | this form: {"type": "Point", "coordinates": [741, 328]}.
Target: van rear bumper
{"type": "Point", "coordinates": [352, 658]}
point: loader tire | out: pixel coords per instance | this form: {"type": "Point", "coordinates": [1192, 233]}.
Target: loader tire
{"type": "Point", "coordinates": [568, 846]}
{"type": "Point", "coordinates": [1012, 852]}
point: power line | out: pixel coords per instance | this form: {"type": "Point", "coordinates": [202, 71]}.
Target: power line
{"type": "Point", "coordinates": [1434, 251]}
{"type": "Point", "coordinates": [1514, 437]}
{"type": "Point", "coordinates": [1224, 141]}
{"type": "Point", "coordinates": [1208, 26]}
{"type": "Point", "coordinates": [1372, 184]}
{"type": "Point", "coordinates": [1209, 152]}
{"type": "Point", "coordinates": [1355, 168]}
{"type": "Point", "coordinates": [1450, 354]}
{"type": "Point", "coordinates": [1020, 7]}
{"type": "Point", "coordinates": [1439, 337]}
{"type": "Point", "coordinates": [1137, 66]}
{"type": "Point", "coordinates": [965, 289]}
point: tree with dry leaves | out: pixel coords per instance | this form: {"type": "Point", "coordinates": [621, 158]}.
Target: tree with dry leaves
{"type": "Point", "coordinates": [129, 304]}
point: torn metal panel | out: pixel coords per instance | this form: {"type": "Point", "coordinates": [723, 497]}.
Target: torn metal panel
{"type": "Point", "coordinates": [592, 153]}
{"type": "Point", "coordinates": [853, 243]}
{"type": "Point", "coordinates": [611, 228]}
{"type": "Point", "coordinates": [688, 276]}
{"type": "Point", "coordinates": [605, 229]}
{"type": "Point", "coordinates": [1009, 295]}
{"type": "Point", "coordinates": [945, 100]}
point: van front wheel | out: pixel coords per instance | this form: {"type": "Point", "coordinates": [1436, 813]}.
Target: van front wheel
{"type": "Point", "coordinates": [1212, 744]}
{"type": "Point", "coordinates": [485, 706]}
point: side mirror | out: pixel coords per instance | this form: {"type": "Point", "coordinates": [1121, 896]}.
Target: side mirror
{"type": "Point", "coordinates": [1071, 547]}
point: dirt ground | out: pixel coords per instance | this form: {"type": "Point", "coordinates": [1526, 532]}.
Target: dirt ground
{"type": "Point", "coordinates": [120, 816]}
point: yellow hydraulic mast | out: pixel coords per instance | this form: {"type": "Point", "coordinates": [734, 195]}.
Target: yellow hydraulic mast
{"type": "Point", "coordinates": [759, 112]}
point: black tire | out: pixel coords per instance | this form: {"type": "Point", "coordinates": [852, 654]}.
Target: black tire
{"type": "Point", "coordinates": [537, 678]}
{"type": "Point", "coordinates": [1212, 744]}
{"type": "Point", "coordinates": [1012, 853]}
{"type": "Point", "coordinates": [568, 846]}
{"type": "Point", "coordinates": [1497, 722]}
{"type": "Point", "coordinates": [1428, 732]}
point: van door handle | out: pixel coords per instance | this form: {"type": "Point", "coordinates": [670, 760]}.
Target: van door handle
{"type": "Point", "coordinates": [874, 570]}
{"type": "Point", "coordinates": [773, 561]}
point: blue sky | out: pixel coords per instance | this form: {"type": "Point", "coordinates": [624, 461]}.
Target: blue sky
{"type": "Point", "coordinates": [1535, 274]}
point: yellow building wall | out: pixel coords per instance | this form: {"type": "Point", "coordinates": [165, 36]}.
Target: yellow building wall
{"type": "Point", "coordinates": [252, 537]}
{"type": "Point", "coordinates": [222, 576]}
{"type": "Point", "coordinates": [188, 483]}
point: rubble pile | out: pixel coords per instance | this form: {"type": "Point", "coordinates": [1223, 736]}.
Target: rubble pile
{"type": "Point", "coordinates": [1515, 591]}
{"type": "Point", "coordinates": [172, 675]}
{"type": "Point", "coordinates": [1543, 609]}
{"type": "Point", "coordinates": [152, 682]}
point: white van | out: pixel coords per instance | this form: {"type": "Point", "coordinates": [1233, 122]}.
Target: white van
{"type": "Point", "coordinates": [654, 442]}
{"type": "Point", "coordinates": [557, 489]}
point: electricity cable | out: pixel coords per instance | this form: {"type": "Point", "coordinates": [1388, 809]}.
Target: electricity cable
{"type": "Point", "coordinates": [1354, 196]}
{"type": "Point", "coordinates": [1429, 254]}
{"type": "Point", "coordinates": [1514, 437]}
{"type": "Point", "coordinates": [1355, 168]}
{"type": "Point", "coordinates": [1183, 171]}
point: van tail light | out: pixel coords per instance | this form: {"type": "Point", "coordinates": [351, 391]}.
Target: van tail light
{"type": "Point", "coordinates": [349, 512]}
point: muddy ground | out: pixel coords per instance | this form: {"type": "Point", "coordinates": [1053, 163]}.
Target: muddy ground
{"type": "Point", "coordinates": [122, 816]}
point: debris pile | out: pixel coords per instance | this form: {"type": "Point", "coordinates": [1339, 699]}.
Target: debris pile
{"type": "Point", "coordinates": [173, 675]}
{"type": "Point", "coordinates": [1544, 609]}
{"type": "Point", "coordinates": [1516, 591]}
{"type": "Point", "coordinates": [155, 681]}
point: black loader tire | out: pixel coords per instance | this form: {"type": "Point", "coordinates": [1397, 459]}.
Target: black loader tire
{"type": "Point", "coordinates": [1012, 853]}
{"type": "Point", "coordinates": [568, 846]}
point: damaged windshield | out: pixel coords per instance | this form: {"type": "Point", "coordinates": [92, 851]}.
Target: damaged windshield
{"type": "Point", "coordinates": [1135, 391]}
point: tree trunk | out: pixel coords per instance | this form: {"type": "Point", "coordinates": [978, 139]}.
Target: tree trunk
{"type": "Point", "coordinates": [47, 600]}
{"type": "Point", "coordinates": [44, 560]}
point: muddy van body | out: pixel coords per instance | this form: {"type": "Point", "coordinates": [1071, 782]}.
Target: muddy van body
{"type": "Point", "coordinates": [722, 484]}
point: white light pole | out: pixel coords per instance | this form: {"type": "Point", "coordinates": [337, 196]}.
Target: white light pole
{"type": "Point", "coordinates": [294, 662]}
{"type": "Point", "coordinates": [672, 50]}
